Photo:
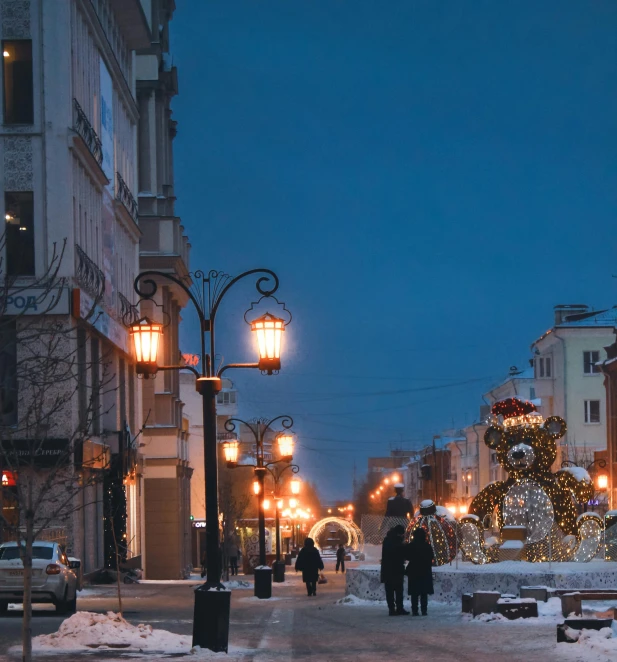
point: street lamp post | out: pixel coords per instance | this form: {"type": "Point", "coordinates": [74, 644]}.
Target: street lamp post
{"type": "Point", "coordinates": [263, 585]}
{"type": "Point", "coordinates": [206, 291]}
{"type": "Point", "coordinates": [601, 479]}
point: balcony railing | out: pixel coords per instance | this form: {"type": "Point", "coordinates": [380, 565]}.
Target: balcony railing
{"type": "Point", "coordinates": [90, 278]}
{"type": "Point", "coordinates": [127, 311]}
{"type": "Point", "coordinates": [224, 436]}
{"type": "Point", "coordinates": [124, 195]}
{"type": "Point", "coordinates": [84, 129]}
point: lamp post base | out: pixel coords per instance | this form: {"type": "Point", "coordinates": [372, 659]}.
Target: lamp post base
{"type": "Point", "coordinates": [278, 571]}
{"type": "Point", "coordinates": [211, 619]}
{"type": "Point", "coordinates": [263, 582]}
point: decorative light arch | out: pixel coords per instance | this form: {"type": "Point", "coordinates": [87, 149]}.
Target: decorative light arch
{"type": "Point", "coordinates": [355, 536]}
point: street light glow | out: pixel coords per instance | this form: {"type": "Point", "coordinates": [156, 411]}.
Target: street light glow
{"type": "Point", "coordinates": [286, 445]}
{"type": "Point", "coordinates": [146, 336]}
{"type": "Point", "coordinates": [256, 487]}
{"type": "Point", "coordinates": [295, 486]}
{"type": "Point", "coordinates": [230, 451]}
{"type": "Point", "coordinates": [269, 331]}
{"type": "Point", "coordinates": [602, 481]}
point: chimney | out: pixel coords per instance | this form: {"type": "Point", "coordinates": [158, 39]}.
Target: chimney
{"type": "Point", "coordinates": [565, 310]}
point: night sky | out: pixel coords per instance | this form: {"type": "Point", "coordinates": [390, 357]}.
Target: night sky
{"type": "Point", "coordinates": [428, 179]}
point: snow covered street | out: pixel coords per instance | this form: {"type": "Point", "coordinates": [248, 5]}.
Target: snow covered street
{"type": "Point", "coordinates": [292, 626]}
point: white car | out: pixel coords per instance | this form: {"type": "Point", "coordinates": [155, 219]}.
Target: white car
{"type": "Point", "coordinates": [53, 580]}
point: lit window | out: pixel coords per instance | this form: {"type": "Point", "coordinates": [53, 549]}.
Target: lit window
{"type": "Point", "coordinates": [590, 359]}
{"type": "Point", "coordinates": [592, 411]}
{"type": "Point", "coordinates": [17, 76]}
{"type": "Point", "coordinates": [19, 237]}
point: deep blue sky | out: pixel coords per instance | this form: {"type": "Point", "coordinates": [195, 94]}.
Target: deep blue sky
{"type": "Point", "coordinates": [427, 178]}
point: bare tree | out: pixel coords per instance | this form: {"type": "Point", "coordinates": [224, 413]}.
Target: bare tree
{"type": "Point", "coordinates": [51, 399]}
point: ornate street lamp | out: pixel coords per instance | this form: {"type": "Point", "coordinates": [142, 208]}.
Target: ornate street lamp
{"type": "Point", "coordinates": [295, 486]}
{"type": "Point", "coordinates": [230, 451]}
{"type": "Point", "coordinates": [276, 468]}
{"type": "Point", "coordinates": [602, 481]}
{"type": "Point", "coordinates": [146, 336]}
{"type": "Point", "coordinates": [206, 290]}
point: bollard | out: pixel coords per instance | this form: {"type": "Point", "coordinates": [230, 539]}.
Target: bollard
{"type": "Point", "coordinates": [263, 582]}
{"type": "Point", "coordinates": [211, 619]}
{"type": "Point", "coordinates": [278, 571]}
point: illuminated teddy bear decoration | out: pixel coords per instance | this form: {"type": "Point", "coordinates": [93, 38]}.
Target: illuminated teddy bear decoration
{"type": "Point", "coordinates": [540, 503]}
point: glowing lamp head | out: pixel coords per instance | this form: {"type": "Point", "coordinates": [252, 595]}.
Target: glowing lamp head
{"type": "Point", "coordinates": [396, 478]}
{"type": "Point", "coordinates": [293, 503]}
{"type": "Point", "coordinates": [266, 504]}
{"type": "Point", "coordinates": [286, 445]}
{"type": "Point", "coordinates": [279, 505]}
{"type": "Point", "coordinates": [295, 486]}
{"type": "Point", "coordinates": [230, 451]}
{"type": "Point", "coordinates": [256, 487]}
{"type": "Point", "coordinates": [463, 509]}
{"type": "Point", "coordinates": [268, 330]}
{"type": "Point", "coordinates": [146, 336]}
{"type": "Point", "coordinates": [602, 481]}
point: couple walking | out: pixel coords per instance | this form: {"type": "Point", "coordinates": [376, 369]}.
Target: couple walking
{"type": "Point", "coordinates": [419, 570]}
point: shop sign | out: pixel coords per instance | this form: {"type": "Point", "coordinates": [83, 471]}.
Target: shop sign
{"type": "Point", "coordinates": [44, 453]}
{"type": "Point", "coordinates": [36, 301]}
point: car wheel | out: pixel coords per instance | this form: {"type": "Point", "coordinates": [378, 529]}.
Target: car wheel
{"type": "Point", "coordinates": [4, 606]}
{"type": "Point", "coordinates": [63, 605]}
{"type": "Point", "coordinates": [72, 605]}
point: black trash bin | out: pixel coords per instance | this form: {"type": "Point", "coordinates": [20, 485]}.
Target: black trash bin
{"type": "Point", "coordinates": [278, 571]}
{"type": "Point", "coordinates": [211, 619]}
{"type": "Point", "coordinates": [287, 559]}
{"type": "Point", "coordinates": [263, 582]}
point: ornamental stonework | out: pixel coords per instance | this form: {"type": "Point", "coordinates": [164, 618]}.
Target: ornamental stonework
{"type": "Point", "coordinates": [15, 17]}
{"type": "Point", "coordinates": [18, 174]}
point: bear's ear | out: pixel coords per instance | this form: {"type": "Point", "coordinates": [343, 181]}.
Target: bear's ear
{"type": "Point", "coordinates": [493, 437]}
{"type": "Point", "coordinates": [555, 426]}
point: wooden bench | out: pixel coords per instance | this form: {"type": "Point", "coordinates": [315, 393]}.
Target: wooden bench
{"type": "Point", "coordinates": [571, 602]}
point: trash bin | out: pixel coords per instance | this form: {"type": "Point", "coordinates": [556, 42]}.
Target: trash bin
{"type": "Point", "coordinates": [278, 571]}
{"type": "Point", "coordinates": [211, 619]}
{"type": "Point", "coordinates": [287, 559]}
{"type": "Point", "coordinates": [263, 582]}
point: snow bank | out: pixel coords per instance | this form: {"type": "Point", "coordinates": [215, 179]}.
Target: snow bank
{"type": "Point", "coordinates": [87, 631]}
{"type": "Point", "coordinates": [581, 474]}
{"type": "Point", "coordinates": [235, 584]}
{"type": "Point", "coordinates": [592, 645]}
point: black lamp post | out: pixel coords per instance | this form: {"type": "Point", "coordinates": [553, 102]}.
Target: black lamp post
{"type": "Point", "coordinates": [263, 575]}
{"type": "Point", "coordinates": [206, 291]}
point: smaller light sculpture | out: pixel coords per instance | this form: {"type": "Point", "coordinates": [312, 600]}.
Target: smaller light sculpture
{"type": "Point", "coordinates": [440, 527]}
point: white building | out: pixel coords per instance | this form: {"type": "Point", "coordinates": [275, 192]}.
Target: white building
{"type": "Point", "coordinates": [568, 379]}
{"type": "Point", "coordinates": [68, 168]}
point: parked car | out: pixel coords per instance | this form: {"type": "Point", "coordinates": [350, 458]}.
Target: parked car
{"type": "Point", "coordinates": [53, 579]}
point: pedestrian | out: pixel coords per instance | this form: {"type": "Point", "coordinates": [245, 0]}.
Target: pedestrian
{"type": "Point", "coordinates": [340, 558]}
{"type": "Point", "coordinates": [419, 571]}
{"type": "Point", "coordinates": [393, 569]}
{"type": "Point", "coordinates": [204, 563]}
{"type": "Point", "coordinates": [233, 550]}
{"type": "Point", "coordinates": [310, 563]}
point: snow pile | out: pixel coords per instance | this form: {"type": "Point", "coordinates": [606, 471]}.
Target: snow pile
{"type": "Point", "coordinates": [581, 474]}
{"type": "Point", "coordinates": [355, 601]}
{"type": "Point", "coordinates": [596, 645]}
{"type": "Point", "coordinates": [86, 630]}
{"type": "Point", "coordinates": [234, 584]}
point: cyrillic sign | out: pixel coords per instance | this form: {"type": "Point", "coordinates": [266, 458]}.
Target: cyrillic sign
{"type": "Point", "coordinates": [36, 301]}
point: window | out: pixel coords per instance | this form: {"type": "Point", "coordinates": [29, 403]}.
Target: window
{"type": "Point", "coordinates": [17, 76]}
{"type": "Point", "coordinates": [8, 374]}
{"type": "Point", "coordinates": [226, 398]}
{"type": "Point", "coordinates": [589, 363]}
{"type": "Point", "coordinates": [95, 398]}
{"type": "Point", "coordinates": [592, 411]}
{"type": "Point", "coordinates": [19, 217]}
{"type": "Point", "coordinates": [532, 393]}
{"type": "Point", "coordinates": [544, 367]}
{"type": "Point", "coordinates": [38, 552]}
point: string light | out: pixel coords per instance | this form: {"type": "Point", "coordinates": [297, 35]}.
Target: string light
{"type": "Point", "coordinates": [532, 496]}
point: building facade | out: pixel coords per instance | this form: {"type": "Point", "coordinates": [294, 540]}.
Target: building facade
{"type": "Point", "coordinates": [163, 247]}
{"type": "Point", "coordinates": [568, 377]}
{"type": "Point", "coordinates": [69, 174]}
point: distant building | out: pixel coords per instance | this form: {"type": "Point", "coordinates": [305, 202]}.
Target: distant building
{"type": "Point", "coordinates": [568, 377]}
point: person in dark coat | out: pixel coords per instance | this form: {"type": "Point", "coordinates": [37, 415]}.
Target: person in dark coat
{"type": "Point", "coordinates": [340, 558]}
{"type": "Point", "coordinates": [310, 563]}
{"type": "Point", "coordinates": [419, 570]}
{"type": "Point", "coordinates": [393, 569]}
{"type": "Point", "coordinates": [398, 505]}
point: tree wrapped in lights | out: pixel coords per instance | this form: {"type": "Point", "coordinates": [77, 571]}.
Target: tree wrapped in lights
{"type": "Point", "coordinates": [440, 527]}
{"type": "Point", "coordinates": [533, 497]}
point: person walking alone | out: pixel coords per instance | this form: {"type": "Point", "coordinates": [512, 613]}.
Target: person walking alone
{"type": "Point", "coordinates": [309, 563]}
{"type": "Point", "coordinates": [233, 550]}
{"type": "Point", "coordinates": [340, 558]}
{"type": "Point", "coordinates": [419, 571]}
{"type": "Point", "coordinates": [393, 569]}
